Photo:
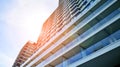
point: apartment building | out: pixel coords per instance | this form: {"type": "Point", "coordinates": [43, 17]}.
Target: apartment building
{"type": "Point", "coordinates": [80, 33]}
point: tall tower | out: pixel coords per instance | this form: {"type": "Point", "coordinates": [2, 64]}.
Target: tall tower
{"type": "Point", "coordinates": [80, 33]}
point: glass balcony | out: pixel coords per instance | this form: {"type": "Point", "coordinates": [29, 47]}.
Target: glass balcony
{"type": "Point", "coordinates": [103, 43]}
{"type": "Point", "coordinates": [84, 36]}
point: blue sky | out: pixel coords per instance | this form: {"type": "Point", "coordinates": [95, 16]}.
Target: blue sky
{"type": "Point", "coordinates": [20, 21]}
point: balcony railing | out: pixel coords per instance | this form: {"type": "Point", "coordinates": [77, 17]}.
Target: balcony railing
{"type": "Point", "coordinates": [103, 43]}
{"type": "Point", "coordinates": [99, 26]}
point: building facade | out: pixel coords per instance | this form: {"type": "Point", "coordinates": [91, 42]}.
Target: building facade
{"type": "Point", "coordinates": [27, 51]}
{"type": "Point", "coordinates": [80, 33]}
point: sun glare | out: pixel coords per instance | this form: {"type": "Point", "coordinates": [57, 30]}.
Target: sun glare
{"type": "Point", "coordinates": [28, 17]}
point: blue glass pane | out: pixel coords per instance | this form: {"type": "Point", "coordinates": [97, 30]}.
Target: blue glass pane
{"type": "Point", "coordinates": [116, 35]}
{"type": "Point", "coordinates": [105, 41]}
{"type": "Point", "coordinates": [75, 58]}
{"type": "Point", "coordinates": [90, 50]}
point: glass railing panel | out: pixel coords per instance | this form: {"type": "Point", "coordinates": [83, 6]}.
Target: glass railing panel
{"type": "Point", "coordinates": [90, 50]}
{"type": "Point", "coordinates": [75, 58]}
{"type": "Point", "coordinates": [93, 48]}
{"type": "Point", "coordinates": [116, 36]}
{"type": "Point", "coordinates": [101, 23]}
